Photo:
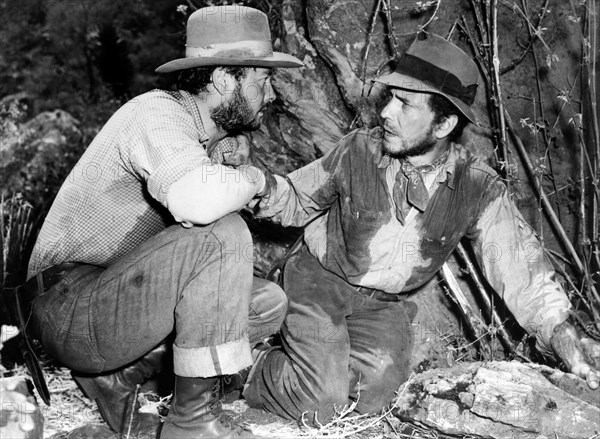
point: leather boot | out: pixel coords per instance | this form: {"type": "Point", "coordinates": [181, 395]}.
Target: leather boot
{"type": "Point", "coordinates": [114, 393]}
{"type": "Point", "coordinates": [193, 412]}
{"type": "Point", "coordinates": [232, 386]}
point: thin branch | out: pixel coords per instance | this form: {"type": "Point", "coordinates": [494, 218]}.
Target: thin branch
{"type": "Point", "coordinates": [483, 35]}
{"type": "Point", "coordinates": [368, 45]}
{"type": "Point", "coordinates": [539, 101]}
{"type": "Point", "coordinates": [473, 320]}
{"type": "Point", "coordinates": [519, 59]}
{"type": "Point", "coordinates": [562, 235]}
{"type": "Point", "coordinates": [537, 31]}
{"type": "Point", "coordinates": [499, 103]}
{"type": "Point", "coordinates": [390, 25]}
{"type": "Point", "coordinates": [452, 29]}
{"type": "Point", "coordinates": [437, 7]}
{"type": "Point", "coordinates": [554, 258]}
{"type": "Point", "coordinates": [496, 320]}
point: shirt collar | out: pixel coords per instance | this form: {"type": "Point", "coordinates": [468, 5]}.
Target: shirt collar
{"type": "Point", "coordinates": [445, 165]}
{"type": "Point", "coordinates": [189, 103]}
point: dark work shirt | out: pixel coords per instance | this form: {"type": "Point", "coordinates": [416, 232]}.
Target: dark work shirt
{"type": "Point", "coordinates": [345, 200]}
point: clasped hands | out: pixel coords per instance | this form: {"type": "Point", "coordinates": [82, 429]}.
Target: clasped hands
{"type": "Point", "coordinates": [245, 155]}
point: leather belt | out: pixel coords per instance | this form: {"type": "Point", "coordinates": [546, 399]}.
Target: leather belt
{"type": "Point", "coordinates": [42, 282]}
{"type": "Point", "coordinates": [379, 295]}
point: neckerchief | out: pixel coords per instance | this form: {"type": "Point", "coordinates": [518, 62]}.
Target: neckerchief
{"type": "Point", "coordinates": [409, 188]}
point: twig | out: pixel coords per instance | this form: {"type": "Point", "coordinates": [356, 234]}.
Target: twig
{"type": "Point", "coordinates": [437, 7]}
{"type": "Point", "coordinates": [472, 318]}
{"type": "Point", "coordinates": [540, 191]}
{"type": "Point", "coordinates": [368, 45]}
{"type": "Point", "coordinates": [562, 235]}
{"type": "Point", "coordinates": [594, 132]}
{"type": "Point", "coordinates": [539, 101]}
{"type": "Point", "coordinates": [452, 29]}
{"type": "Point", "coordinates": [553, 257]}
{"type": "Point", "coordinates": [363, 74]}
{"type": "Point", "coordinates": [536, 30]}
{"type": "Point", "coordinates": [496, 320]}
{"type": "Point", "coordinates": [519, 59]}
{"type": "Point", "coordinates": [483, 35]}
{"type": "Point", "coordinates": [133, 403]}
{"type": "Point", "coordinates": [495, 68]}
{"type": "Point", "coordinates": [390, 25]}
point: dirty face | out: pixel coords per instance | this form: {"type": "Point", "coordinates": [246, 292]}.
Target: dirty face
{"type": "Point", "coordinates": [408, 124]}
{"type": "Point", "coordinates": [243, 111]}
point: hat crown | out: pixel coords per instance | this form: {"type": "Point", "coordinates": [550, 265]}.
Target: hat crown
{"type": "Point", "coordinates": [433, 64]}
{"type": "Point", "coordinates": [446, 56]}
{"type": "Point", "coordinates": [227, 24]}
{"type": "Point", "coordinates": [229, 35]}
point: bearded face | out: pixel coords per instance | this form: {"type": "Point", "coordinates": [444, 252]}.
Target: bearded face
{"type": "Point", "coordinates": [408, 124]}
{"type": "Point", "coordinates": [236, 114]}
{"type": "Point", "coordinates": [243, 110]}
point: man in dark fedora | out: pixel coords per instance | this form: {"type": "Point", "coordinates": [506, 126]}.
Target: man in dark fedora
{"type": "Point", "coordinates": [143, 249]}
{"type": "Point", "coordinates": [383, 211]}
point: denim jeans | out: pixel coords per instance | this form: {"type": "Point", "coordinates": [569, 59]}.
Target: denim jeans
{"type": "Point", "coordinates": [338, 346]}
{"type": "Point", "coordinates": [197, 282]}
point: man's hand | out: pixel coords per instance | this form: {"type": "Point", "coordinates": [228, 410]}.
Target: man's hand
{"type": "Point", "coordinates": [580, 354]}
{"type": "Point", "coordinates": [244, 155]}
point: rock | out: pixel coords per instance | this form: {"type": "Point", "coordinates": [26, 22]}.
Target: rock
{"type": "Point", "coordinates": [501, 400]}
{"type": "Point", "coordinates": [20, 415]}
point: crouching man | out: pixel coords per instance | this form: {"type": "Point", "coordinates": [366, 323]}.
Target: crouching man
{"type": "Point", "coordinates": [143, 239]}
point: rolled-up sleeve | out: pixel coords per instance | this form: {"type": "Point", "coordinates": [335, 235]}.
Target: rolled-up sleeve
{"type": "Point", "coordinates": [165, 146]}
{"type": "Point", "coordinates": [514, 263]}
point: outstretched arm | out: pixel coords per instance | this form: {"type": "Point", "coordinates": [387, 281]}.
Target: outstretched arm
{"type": "Point", "coordinates": [513, 260]}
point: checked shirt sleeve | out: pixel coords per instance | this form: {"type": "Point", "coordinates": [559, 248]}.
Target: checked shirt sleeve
{"type": "Point", "coordinates": [164, 144]}
{"type": "Point", "coordinates": [515, 265]}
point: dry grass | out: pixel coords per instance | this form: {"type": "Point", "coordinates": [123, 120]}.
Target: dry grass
{"type": "Point", "coordinates": [345, 424]}
{"type": "Point", "coordinates": [69, 409]}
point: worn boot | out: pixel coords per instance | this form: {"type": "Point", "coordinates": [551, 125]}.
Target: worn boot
{"type": "Point", "coordinates": [232, 386]}
{"type": "Point", "coordinates": [115, 394]}
{"type": "Point", "coordinates": [193, 412]}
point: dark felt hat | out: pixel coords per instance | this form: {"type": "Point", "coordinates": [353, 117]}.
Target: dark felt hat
{"type": "Point", "coordinates": [433, 64]}
{"type": "Point", "coordinates": [229, 36]}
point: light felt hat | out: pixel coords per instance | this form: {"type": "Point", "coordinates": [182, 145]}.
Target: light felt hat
{"type": "Point", "coordinates": [229, 36]}
{"type": "Point", "coordinates": [433, 64]}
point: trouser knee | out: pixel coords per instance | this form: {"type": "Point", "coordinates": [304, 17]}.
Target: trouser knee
{"type": "Point", "coordinates": [268, 306]}
{"type": "Point", "coordinates": [379, 390]}
{"type": "Point", "coordinates": [233, 231]}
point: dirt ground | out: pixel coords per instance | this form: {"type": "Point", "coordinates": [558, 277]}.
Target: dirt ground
{"type": "Point", "coordinates": [71, 415]}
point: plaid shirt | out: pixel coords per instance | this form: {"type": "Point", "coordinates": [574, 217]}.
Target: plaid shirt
{"type": "Point", "coordinates": [346, 201]}
{"type": "Point", "coordinates": [115, 196]}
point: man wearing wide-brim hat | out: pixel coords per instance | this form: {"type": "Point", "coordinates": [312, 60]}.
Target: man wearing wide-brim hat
{"type": "Point", "coordinates": [143, 248]}
{"type": "Point", "coordinates": [383, 211]}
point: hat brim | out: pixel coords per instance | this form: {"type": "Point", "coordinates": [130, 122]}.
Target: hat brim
{"type": "Point", "coordinates": [405, 82]}
{"type": "Point", "coordinates": [278, 59]}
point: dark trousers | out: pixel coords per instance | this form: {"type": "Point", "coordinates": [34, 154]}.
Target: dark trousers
{"type": "Point", "coordinates": [338, 345]}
